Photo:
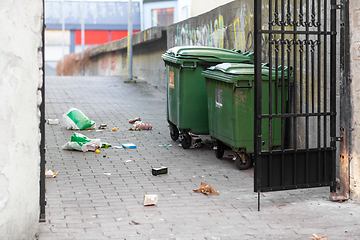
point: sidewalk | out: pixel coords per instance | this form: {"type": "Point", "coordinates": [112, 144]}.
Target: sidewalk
{"type": "Point", "coordinates": [100, 196]}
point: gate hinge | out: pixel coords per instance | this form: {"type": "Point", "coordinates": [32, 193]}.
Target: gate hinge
{"type": "Point", "coordinates": [337, 6]}
{"type": "Point", "coordinates": [334, 139]}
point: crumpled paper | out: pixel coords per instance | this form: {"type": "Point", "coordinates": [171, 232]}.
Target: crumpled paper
{"type": "Point", "coordinates": [316, 237]}
{"type": "Point", "coordinates": [206, 189]}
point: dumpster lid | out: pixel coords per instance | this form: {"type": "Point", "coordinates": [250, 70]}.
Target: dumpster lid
{"type": "Point", "coordinates": [247, 69]}
{"type": "Point", "coordinates": [231, 72]}
{"type": "Point", "coordinates": [208, 54]}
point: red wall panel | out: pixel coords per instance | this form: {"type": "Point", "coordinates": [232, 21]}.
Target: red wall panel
{"type": "Point", "coordinates": [92, 37]}
{"type": "Point", "coordinates": [116, 35]}
{"type": "Point", "coordinates": [98, 37]}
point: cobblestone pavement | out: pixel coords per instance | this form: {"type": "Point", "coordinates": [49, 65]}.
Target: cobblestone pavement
{"type": "Point", "coordinates": [100, 196]}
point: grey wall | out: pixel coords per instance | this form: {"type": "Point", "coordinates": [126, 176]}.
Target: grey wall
{"type": "Point", "coordinates": [229, 26]}
{"type": "Point", "coordinates": [21, 78]}
{"type": "Point", "coordinates": [111, 59]}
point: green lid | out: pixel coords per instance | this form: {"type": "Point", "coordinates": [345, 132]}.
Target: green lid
{"type": "Point", "coordinates": [232, 72]}
{"type": "Point", "coordinates": [206, 54]}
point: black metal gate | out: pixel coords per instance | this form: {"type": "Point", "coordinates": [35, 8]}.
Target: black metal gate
{"type": "Point", "coordinates": [297, 148]}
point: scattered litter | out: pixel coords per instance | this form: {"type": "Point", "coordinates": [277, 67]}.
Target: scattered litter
{"type": "Point", "coordinates": [97, 151]}
{"type": "Point", "coordinates": [134, 223]}
{"type": "Point", "coordinates": [118, 147]}
{"type": "Point", "coordinates": [128, 160]}
{"type": "Point", "coordinates": [139, 125]}
{"type": "Point", "coordinates": [316, 237]}
{"type": "Point", "coordinates": [150, 200]}
{"type": "Point", "coordinates": [105, 145]}
{"type": "Point", "coordinates": [160, 170]}
{"type": "Point", "coordinates": [104, 156]}
{"type": "Point", "coordinates": [134, 120]}
{"type": "Point", "coordinates": [107, 173]}
{"type": "Point", "coordinates": [53, 121]}
{"type": "Point", "coordinates": [75, 119]}
{"type": "Point", "coordinates": [114, 129]}
{"type": "Point", "coordinates": [129, 145]}
{"type": "Point", "coordinates": [82, 143]}
{"type": "Point", "coordinates": [142, 126]}
{"type": "Point", "coordinates": [50, 174]}
{"type": "Point", "coordinates": [196, 140]}
{"type": "Point", "coordinates": [206, 189]}
{"type": "Point", "coordinates": [102, 126]}
{"type": "Point", "coordinates": [166, 145]}
{"type": "Point", "coordinates": [99, 130]}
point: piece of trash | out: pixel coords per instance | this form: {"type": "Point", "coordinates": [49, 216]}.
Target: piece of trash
{"type": "Point", "coordinates": [136, 129]}
{"type": "Point", "coordinates": [105, 145]}
{"type": "Point", "coordinates": [102, 126]}
{"type": "Point", "coordinates": [206, 189]}
{"type": "Point", "coordinates": [128, 161]}
{"type": "Point", "coordinates": [134, 223]}
{"type": "Point", "coordinates": [53, 121]}
{"type": "Point", "coordinates": [107, 173]}
{"type": "Point", "coordinates": [118, 147]}
{"type": "Point", "coordinates": [97, 151]}
{"type": "Point", "coordinates": [143, 126]}
{"type": "Point", "coordinates": [129, 145]}
{"type": "Point", "coordinates": [150, 200]}
{"type": "Point", "coordinates": [82, 143]}
{"type": "Point", "coordinates": [134, 120]}
{"type": "Point", "coordinates": [114, 129]}
{"type": "Point", "coordinates": [166, 145]}
{"type": "Point", "coordinates": [104, 156]}
{"type": "Point", "coordinates": [75, 119]}
{"type": "Point", "coordinates": [50, 174]}
{"type": "Point", "coordinates": [316, 237]}
{"type": "Point", "coordinates": [160, 170]}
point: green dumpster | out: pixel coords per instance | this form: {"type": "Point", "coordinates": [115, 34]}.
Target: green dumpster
{"type": "Point", "coordinates": [231, 97]}
{"type": "Point", "coordinates": [186, 89]}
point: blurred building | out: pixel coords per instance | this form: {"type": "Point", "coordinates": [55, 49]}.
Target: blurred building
{"type": "Point", "coordinates": [103, 22]}
{"type": "Point", "coordinates": [107, 21]}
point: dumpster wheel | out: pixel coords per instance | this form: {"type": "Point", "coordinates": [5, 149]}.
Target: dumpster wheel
{"type": "Point", "coordinates": [174, 132]}
{"type": "Point", "coordinates": [219, 151]}
{"type": "Point", "coordinates": [243, 160]}
{"type": "Point", "coordinates": [186, 140]}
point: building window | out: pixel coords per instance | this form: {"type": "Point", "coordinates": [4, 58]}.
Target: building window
{"type": "Point", "coordinates": [162, 17]}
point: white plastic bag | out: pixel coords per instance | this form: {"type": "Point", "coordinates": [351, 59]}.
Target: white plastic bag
{"type": "Point", "coordinates": [82, 143]}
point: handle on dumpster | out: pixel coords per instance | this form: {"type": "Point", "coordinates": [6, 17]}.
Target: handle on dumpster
{"type": "Point", "coordinates": [247, 86]}
{"type": "Point", "coordinates": [191, 66]}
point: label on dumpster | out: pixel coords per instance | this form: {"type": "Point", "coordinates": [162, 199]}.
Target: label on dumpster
{"type": "Point", "coordinates": [171, 79]}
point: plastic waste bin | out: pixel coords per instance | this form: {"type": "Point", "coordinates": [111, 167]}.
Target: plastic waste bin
{"type": "Point", "coordinates": [231, 99]}
{"type": "Point", "coordinates": [186, 89]}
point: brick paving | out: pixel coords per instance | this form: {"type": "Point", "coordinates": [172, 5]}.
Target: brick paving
{"type": "Point", "coordinates": [100, 196]}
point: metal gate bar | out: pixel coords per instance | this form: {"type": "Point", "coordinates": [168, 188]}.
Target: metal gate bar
{"type": "Point", "coordinates": [298, 49]}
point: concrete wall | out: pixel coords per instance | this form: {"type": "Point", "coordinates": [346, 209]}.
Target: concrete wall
{"type": "Point", "coordinates": [20, 98]}
{"type": "Point", "coordinates": [355, 78]}
{"type": "Point", "coordinates": [111, 59]}
{"type": "Point", "coordinates": [229, 26]}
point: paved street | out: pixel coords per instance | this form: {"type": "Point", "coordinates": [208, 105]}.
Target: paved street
{"type": "Point", "coordinates": [100, 195]}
